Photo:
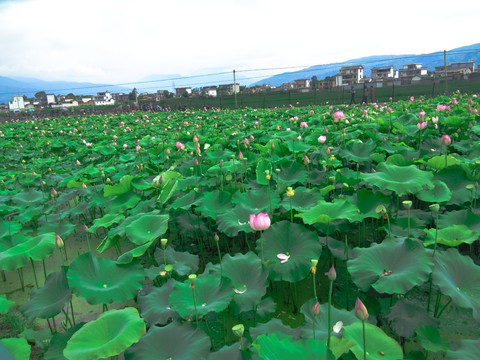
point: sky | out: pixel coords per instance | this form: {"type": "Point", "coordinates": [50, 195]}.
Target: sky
{"type": "Point", "coordinates": [118, 41]}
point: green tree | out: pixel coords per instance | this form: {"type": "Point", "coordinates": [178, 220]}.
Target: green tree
{"type": "Point", "coordinates": [133, 95]}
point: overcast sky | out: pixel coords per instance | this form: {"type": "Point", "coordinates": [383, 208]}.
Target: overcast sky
{"type": "Point", "coordinates": [116, 41]}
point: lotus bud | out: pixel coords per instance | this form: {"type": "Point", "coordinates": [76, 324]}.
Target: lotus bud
{"type": "Point", "coordinates": [216, 238]}
{"type": "Point", "coordinates": [220, 163]}
{"type": "Point", "coordinates": [331, 274]}
{"type": "Point", "coordinates": [316, 308]}
{"type": "Point", "coordinates": [54, 192]}
{"type": "Point", "coordinates": [360, 310]}
{"type": "Point", "coordinates": [434, 208]}
{"type": "Point", "coordinates": [163, 242]}
{"type": "Point", "coordinates": [407, 204]}
{"type": "Point", "coordinates": [446, 140]}
{"type": "Point", "coordinates": [85, 228]}
{"type": "Point", "coordinates": [195, 162]}
{"type": "Point", "coordinates": [238, 330]}
{"type": "Point", "coordinates": [59, 241]}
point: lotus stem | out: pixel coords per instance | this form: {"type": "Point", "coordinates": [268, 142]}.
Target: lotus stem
{"type": "Point", "coordinates": [261, 245]}
{"type": "Point", "coordinates": [4, 277]}
{"type": "Point", "coordinates": [20, 276]}
{"type": "Point", "coordinates": [44, 269]}
{"type": "Point", "coordinates": [329, 329]}
{"type": "Point", "coordinates": [195, 305]}
{"type": "Point", "coordinates": [364, 342]}
{"type": "Point", "coordinates": [105, 307]}
{"type": "Point", "coordinates": [219, 258]}
{"type": "Point", "coordinates": [408, 231]}
{"type": "Point", "coordinates": [446, 305]}
{"type": "Point", "coordinates": [54, 324]}
{"type": "Point", "coordinates": [50, 326]}
{"type": "Point", "coordinates": [291, 210]}
{"type": "Point", "coordinates": [246, 241]}
{"type": "Point", "coordinates": [73, 314]}
{"type": "Point", "coordinates": [346, 273]}
{"type": "Point", "coordinates": [34, 272]}
{"type": "Point", "coordinates": [437, 303]}
{"type": "Point", "coordinates": [436, 235]}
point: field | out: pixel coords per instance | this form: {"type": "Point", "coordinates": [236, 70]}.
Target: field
{"type": "Point", "coordinates": [329, 232]}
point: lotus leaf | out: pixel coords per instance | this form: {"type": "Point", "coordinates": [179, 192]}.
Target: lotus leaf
{"type": "Point", "coordinates": [182, 261]}
{"type": "Point", "coordinates": [110, 334]}
{"type": "Point", "coordinates": [379, 345]}
{"type": "Point", "coordinates": [102, 281]}
{"type": "Point", "coordinates": [5, 304]}
{"type": "Point", "coordinates": [216, 203]}
{"type": "Point", "coordinates": [406, 316]}
{"type": "Point", "coordinates": [174, 341]}
{"type": "Point", "coordinates": [461, 217]}
{"type": "Point", "coordinates": [154, 306]}
{"type": "Point", "coordinates": [401, 179]}
{"type": "Point", "coordinates": [303, 199]}
{"type": "Point", "coordinates": [367, 201]}
{"type": "Point", "coordinates": [439, 193]}
{"type": "Point", "coordinates": [275, 347]}
{"type": "Point", "coordinates": [58, 343]}
{"type": "Point", "coordinates": [456, 180]}
{"type": "Point", "coordinates": [274, 326]}
{"type": "Point", "coordinates": [106, 221]}
{"type": "Point", "coordinates": [294, 240]}
{"type": "Point", "coordinates": [18, 349]}
{"type": "Point", "coordinates": [468, 350]}
{"type": "Point", "coordinates": [430, 338]}
{"type": "Point", "coordinates": [326, 212]}
{"type": "Point", "coordinates": [458, 277]}
{"type": "Point", "coordinates": [185, 202]}
{"type": "Point", "coordinates": [263, 165]}
{"type": "Point", "coordinates": [388, 267]}
{"type": "Point", "coordinates": [291, 172]}
{"type": "Point", "coordinates": [49, 300]}
{"type": "Point", "coordinates": [127, 257]}
{"type": "Point", "coordinates": [256, 201]}
{"type": "Point", "coordinates": [358, 151]}
{"type": "Point", "coordinates": [248, 278]}
{"type": "Point", "coordinates": [453, 235]}
{"type": "Point", "coordinates": [234, 221]}
{"type": "Point", "coordinates": [232, 352]}
{"type": "Point", "coordinates": [146, 228]}
{"type": "Point", "coordinates": [211, 294]}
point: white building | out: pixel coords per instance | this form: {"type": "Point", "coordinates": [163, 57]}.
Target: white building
{"type": "Point", "coordinates": [384, 72]}
{"type": "Point", "coordinates": [17, 104]}
{"type": "Point", "coordinates": [349, 75]}
{"type": "Point", "coordinates": [50, 99]}
{"type": "Point", "coordinates": [411, 70]}
{"type": "Point", "coordinates": [103, 98]}
{"type": "Point", "coordinates": [210, 91]}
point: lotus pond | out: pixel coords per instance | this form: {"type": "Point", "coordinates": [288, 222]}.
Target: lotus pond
{"type": "Point", "coordinates": [294, 233]}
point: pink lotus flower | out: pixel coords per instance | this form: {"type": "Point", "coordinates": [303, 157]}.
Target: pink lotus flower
{"type": "Point", "coordinates": [251, 137]}
{"type": "Point", "coordinates": [240, 155]}
{"type": "Point", "coordinates": [421, 125]}
{"type": "Point", "coordinates": [283, 257]}
{"type": "Point", "coordinates": [259, 222]}
{"type": "Point", "coordinates": [125, 146]}
{"type": "Point", "coordinates": [454, 101]}
{"type": "Point", "coordinates": [195, 138]}
{"type": "Point", "coordinates": [322, 139]}
{"type": "Point", "coordinates": [331, 274]}
{"type": "Point", "coordinates": [475, 111]}
{"type": "Point", "coordinates": [306, 160]}
{"type": "Point", "coordinates": [445, 140]}
{"type": "Point", "coordinates": [179, 145]}
{"type": "Point", "coordinates": [360, 310]}
{"type": "Point", "coordinates": [337, 115]}
{"type": "Point", "coordinates": [303, 125]}
{"type": "Point", "coordinates": [421, 114]}
{"type": "Point", "coordinates": [137, 148]}
{"type": "Point", "coordinates": [59, 241]}
{"type": "Point", "coordinates": [316, 308]}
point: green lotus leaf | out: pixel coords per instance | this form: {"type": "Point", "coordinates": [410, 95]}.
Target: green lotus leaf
{"type": "Point", "coordinates": [326, 212]}
{"type": "Point", "coordinates": [140, 183]}
{"type": "Point", "coordinates": [256, 201]}
{"type": "Point", "coordinates": [456, 180]}
{"type": "Point", "coordinates": [102, 281]}
{"type": "Point", "coordinates": [379, 346]}
{"type": "Point", "coordinates": [154, 306]}
{"type": "Point", "coordinates": [228, 166]}
{"type": "Point", "coordinates": [167, 191]}
{"type": "Point", "coordinates": [106, 221]}
{"type": "Point", "coordinates": [183, 262]}
{"type": "Point", "coordinates": [63, 228]}
{"type": "Point", "coordinates": [401, 179]}
{"type": "Point", "coordinates": [321, 324]}
{"type": "Point", "coordinates": [216, 156]}
{"type": "Point", "coordinates": [18, 349]}
{"type": "Point", "coordinates": [398, 159]}
{"type": "Point", "coordinates": [41, 338]}
{"type": "Point", "coordinates": [9, 228]}
{"type": "Point", "coordinates": [5, 304]}
{"type": "Point", "coordinates": [174, 341]}
{"type": "Point", "coordinates": [121, 203]}
{"type": "Point", "coordinates": [234, 221]}
{"type": "Point", "coordinates": [28, 197]}
{"type": "Point", "coordinates": [124, 186]}
{"type": "Point", "coordinates": [127, 257]}
{"type": "Point", "coordinates": [388, 267]}
{"type": "Point", "coordinates": [110, 334]}
{"type": "Point", "coordinates": [263, 165]}
{"type": "Point", "coordinates": [467, 350]}
{"type": "Point", "coordinates": [211, 294]}
{"type": "Point", "coordinates": [291, 172]}
{"type": "Point", "coordinates": [438, 162]}
{"type": "Point", "coordinates": [399, 226]}
{"type": "Point", "coordinates": [358, 151]}
{"type": "Point", "coordinates": [406, 316]}
{"type": "Point", "coordinates": [367, 201]}
{"type": "Point", "coordinates": [232, 352]}
{"type": "Point", "coordinates": [458, 277]}
{"type": "Point", "coordinates": [41, 246]}
{"type": "Point", "coordinates": [453, 235]}
{"type": "Point", "coordinates": [248, 278]}
{"type": "Point", "coordinates": [303, 199]}
{"type": "Point", "coordinates": [215, 203]}
{"type": "Point", "coordinates": [190, 225]}
{"type": "Point", "coordinates": [430, 339]}
{"type": "Point", "coordinates": [293, 240]}
{"type": "Point", "coordinates": [58, 342]}
{"type": "Point", "coordinates": [50, 299]}
{"type": "Point", "coordinates": [461, 217]}
{"type": "Point", "coordinates": [439, 193]}
{"type": "Point", "coordinates": [266, 307]}
{"type": "Point", "coordinates": [147, 228]}
{"type": "Point", "coordinates": [274, 326]}
{"type": "Point", "coordinates": [106, 150]}
{"type": "Point", "coordinates": [188, 200]}
{"type": "Point", "coordinates": [275, 347]}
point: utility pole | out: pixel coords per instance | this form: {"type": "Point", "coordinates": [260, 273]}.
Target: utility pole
{"type": "Point", "coordinates": [445, 70]}
{"type": "Point", "coordinates": [235, 88]}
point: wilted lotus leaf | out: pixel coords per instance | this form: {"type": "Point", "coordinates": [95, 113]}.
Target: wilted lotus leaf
{"type": "Point", "coordinates": [110, 334]}
{"type": "Point", "coordinates": [174, 341]}
{"type": "Point", "coordinates": [458, 277]}
{"type": "Point", "coordinates": [249, 279]}
{"type": "Point", "coordinates": [212, 293]}
{"type": "Point", "coordinates": [102, 281]}
{"type": "Point", "coordinates": [388, 267]}
{"type": "Point", "coordinates": [453, 235]}
{"type": "Point", "coordinates": [379, 345]}
{"type": "Point", "coordinates": [294, 240]}
{"type": "Point", "coordinates": [401, 179]}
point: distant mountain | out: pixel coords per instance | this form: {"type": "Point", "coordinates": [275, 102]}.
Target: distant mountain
{"type": "Point", "coordinates": [29, 86]}
{"type": "Point", "coordinates": [465, 53]}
